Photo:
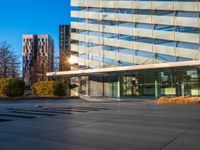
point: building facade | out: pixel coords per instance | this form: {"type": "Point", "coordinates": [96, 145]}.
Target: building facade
{"type": "Point", "coordinates": [137, 33]}
{"type": "Point", "coordinates": [38, 57]}
{"type": "Point", "coordinates": [128, 32]}
{"type": "Point", "coordinates": [64, 47]}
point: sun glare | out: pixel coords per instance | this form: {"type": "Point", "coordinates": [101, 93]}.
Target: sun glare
{"type": "Point", "coordinates": [73, 60]}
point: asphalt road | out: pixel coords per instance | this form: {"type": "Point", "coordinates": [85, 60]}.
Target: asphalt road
{"type": "Point", "coordinates": [81, 125]}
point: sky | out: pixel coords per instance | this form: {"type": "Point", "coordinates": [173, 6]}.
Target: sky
{"type": "Point", "coordinates": [18, 17]}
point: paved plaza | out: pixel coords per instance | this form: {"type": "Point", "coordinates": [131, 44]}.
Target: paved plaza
{"type": "Point", "coordinates": [100, 125]}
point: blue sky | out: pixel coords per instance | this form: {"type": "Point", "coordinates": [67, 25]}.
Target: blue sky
{"type": "Point", "coordinates": [18, 17]}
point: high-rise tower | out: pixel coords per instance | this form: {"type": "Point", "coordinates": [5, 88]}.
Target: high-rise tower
{"type": "Point", "coordinates": [38, 57]}
{"type": "Point", "coordinates": [64, 47]}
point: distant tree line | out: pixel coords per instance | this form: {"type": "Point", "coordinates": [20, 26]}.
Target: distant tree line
{"type": "Point", "coordinates": [9, 62]}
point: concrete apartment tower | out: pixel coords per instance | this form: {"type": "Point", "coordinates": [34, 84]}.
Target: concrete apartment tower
{"type": "Point", "coordinates": [64, 47]}
{"type": "Point", "coordinates": [38, 57]}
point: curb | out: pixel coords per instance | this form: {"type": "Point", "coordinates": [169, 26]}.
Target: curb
{"type": "Point", "coordinates": [38, 98]}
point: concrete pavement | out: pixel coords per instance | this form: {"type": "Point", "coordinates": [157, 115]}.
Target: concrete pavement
{"type": "Point", "coordinates": [83, 125]}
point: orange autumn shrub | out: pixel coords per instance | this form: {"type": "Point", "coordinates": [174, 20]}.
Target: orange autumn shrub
{"type": "Point", "coordinates": [179, 100]}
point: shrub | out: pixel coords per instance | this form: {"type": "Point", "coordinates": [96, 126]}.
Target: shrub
{"type": "Point", "coordinates": [11, 87]}
{"type": "Point", "coordinates": [49, 88]}
{"type": "Point", "coordinates": [179, 100]}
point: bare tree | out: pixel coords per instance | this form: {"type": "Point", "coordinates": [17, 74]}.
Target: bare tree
{"type": "Point", "coordinates": [9, 63]}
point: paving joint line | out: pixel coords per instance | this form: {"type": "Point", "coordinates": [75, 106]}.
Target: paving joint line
{"type": "Point", "coordinates": [179, 135]}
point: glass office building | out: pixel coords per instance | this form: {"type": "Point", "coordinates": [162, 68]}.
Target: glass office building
{"type": "Point", "coordinates": [137, 33]}
{"type": "Point", "coordinates": [64, 47]}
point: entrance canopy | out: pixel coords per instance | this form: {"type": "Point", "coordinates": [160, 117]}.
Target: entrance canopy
{"type": "Point", "coordinates": [126, 68]}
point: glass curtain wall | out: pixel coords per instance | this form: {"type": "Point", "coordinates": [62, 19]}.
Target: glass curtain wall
{"type": "Point", "coordinates": [151, 83]}
{"type": "Point", "coordinates": [180, 82]}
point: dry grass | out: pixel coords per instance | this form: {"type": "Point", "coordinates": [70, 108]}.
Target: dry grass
{"type": "Point", "coordinates": [187, 100]}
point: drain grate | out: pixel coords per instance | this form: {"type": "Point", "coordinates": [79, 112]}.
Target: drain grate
{"type": "Point", "coordinates": [66, 110]}
{"type": "Point", "coordinates": [44, 111]}
{"type": "Point", "coordinates": [17, 116]}
{"type": "Point", "coordinates": [32, 113]}
{"type": "Point", "coordinates": [4, 120]}
{"type": "Point", "coordinates": [86, 109]}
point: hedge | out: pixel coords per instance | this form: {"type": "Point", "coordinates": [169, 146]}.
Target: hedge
{"type": "Point", "coordinates": [11, 87]}
{"type": "Point", "coordinates": [186, 100]}
{"type": "Point", "coordinates": [49, 89]}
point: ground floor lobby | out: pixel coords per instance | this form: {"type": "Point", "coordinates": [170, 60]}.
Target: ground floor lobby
{"type": "Point", "coordinates": [150, 80]}
{"type": "Point", "coordinates": [180, 81]}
